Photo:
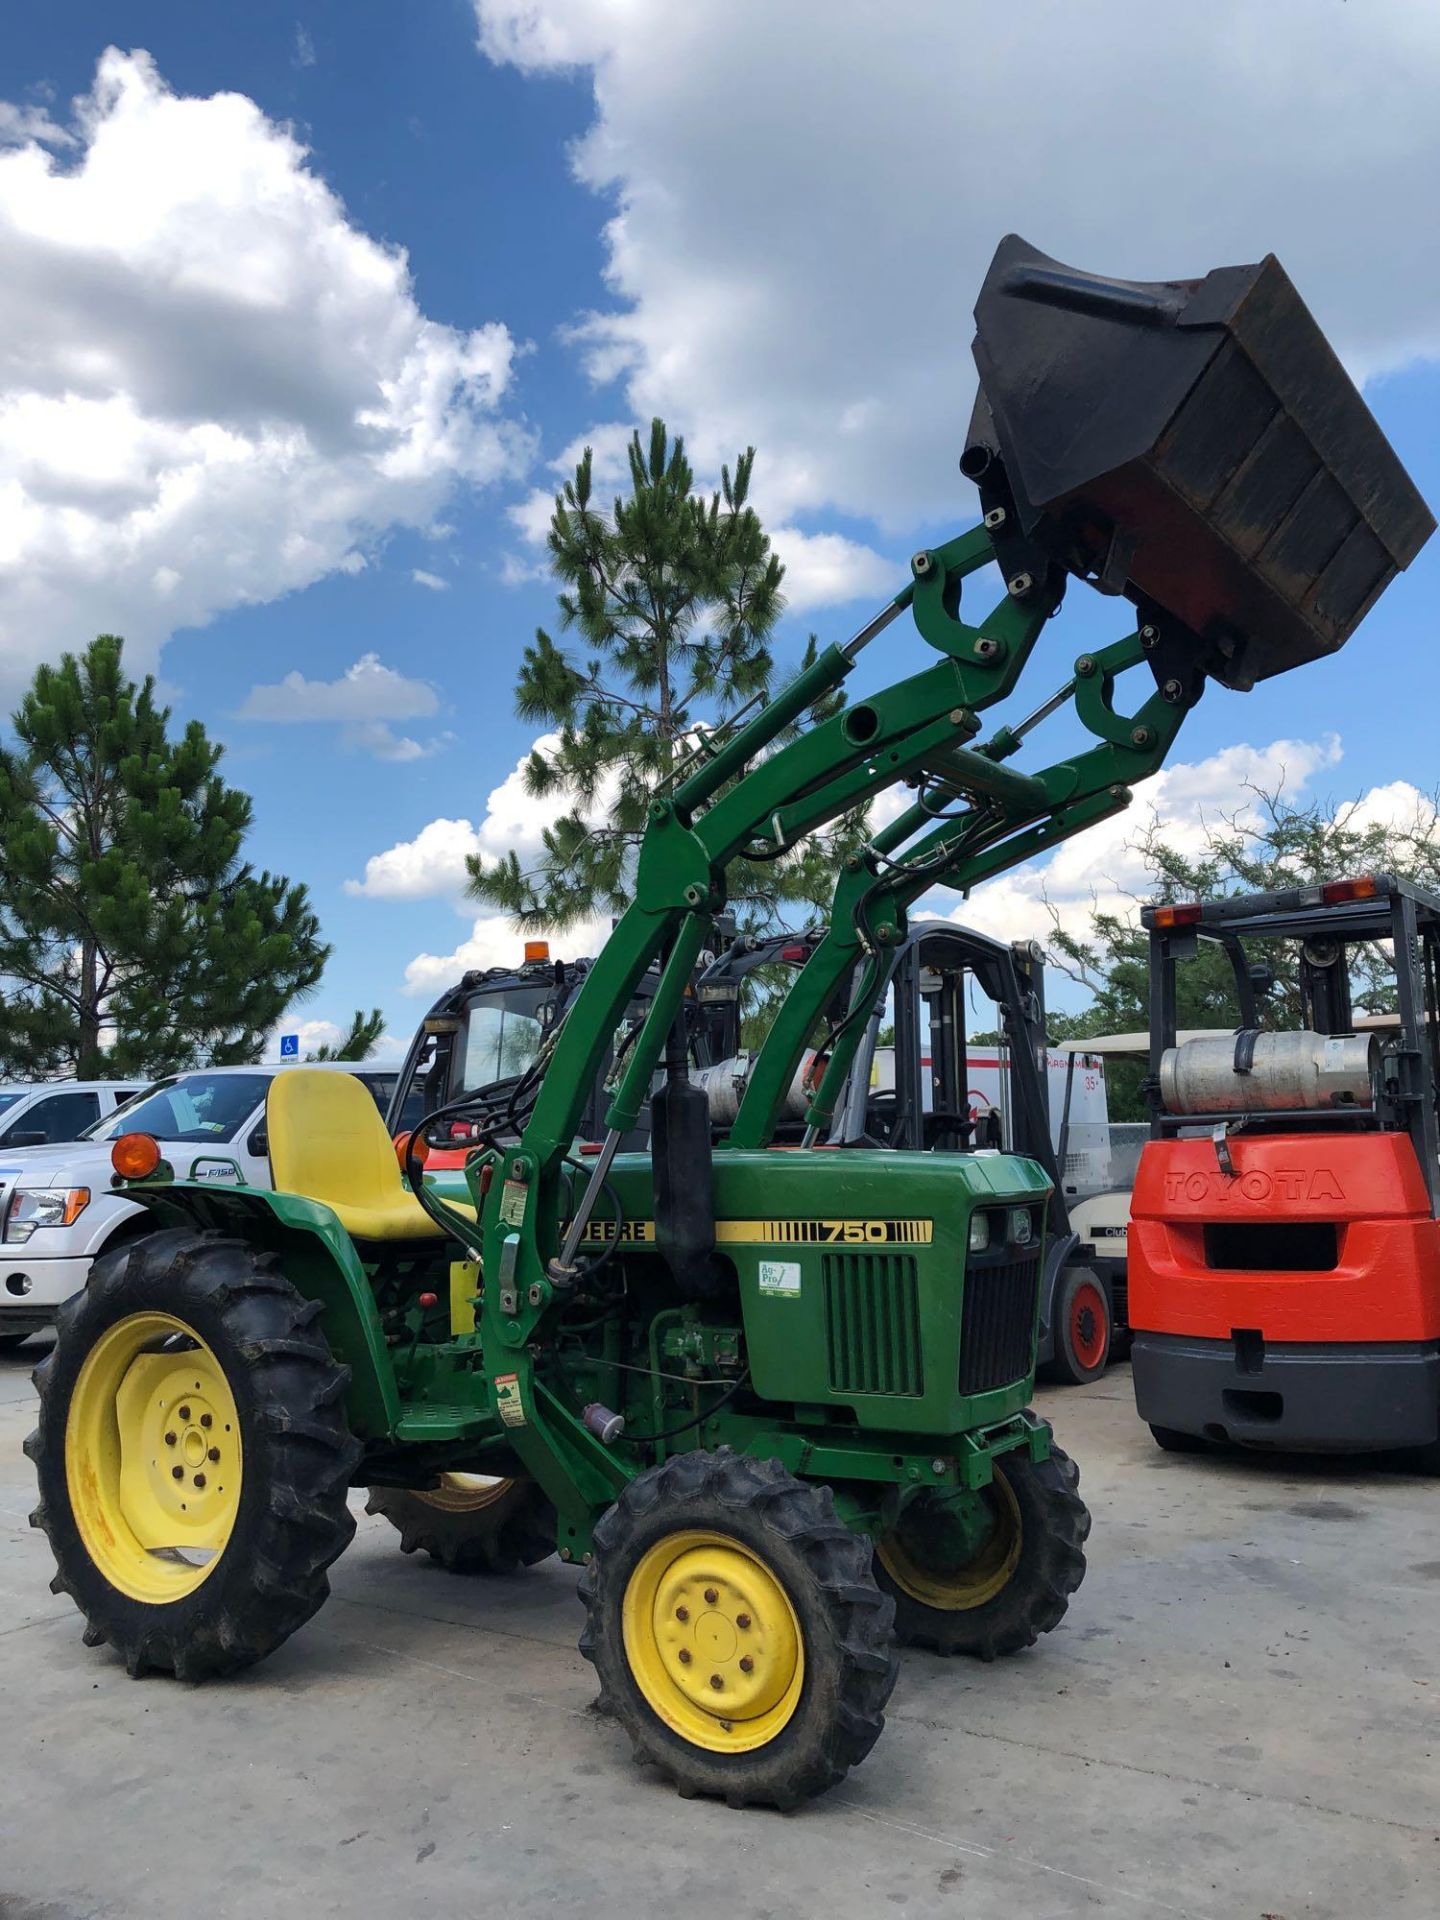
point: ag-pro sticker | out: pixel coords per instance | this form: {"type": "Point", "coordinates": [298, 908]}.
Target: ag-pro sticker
{"type": "Point", "coordinates": [780, 1277]}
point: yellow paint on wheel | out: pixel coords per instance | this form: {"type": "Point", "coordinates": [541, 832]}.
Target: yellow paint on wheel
{"type": "Point", "coordinates": [713, 1641]}
{"type": "Point", "coordinates": [153, 1459]}
{"type": "Point", "coordinates": [979, 1579]}
{"type": "Point", "coordinates": [465, 1492]}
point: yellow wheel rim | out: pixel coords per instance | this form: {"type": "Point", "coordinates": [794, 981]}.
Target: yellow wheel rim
{"type": "Point", "coordinates": [713, 1641]}
{"type": "Point", "coordinates": [465, 1492]}
{"type": "Point", "coordinates": [152, 1457]}
{"type": "Point", "coordinates": [959, 1589]}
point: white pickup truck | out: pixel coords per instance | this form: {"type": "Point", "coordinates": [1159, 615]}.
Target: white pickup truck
{"type": "Point", "coordinates": [34, 1113]}
{"type": "Point", "coordinates": [57, 1207]}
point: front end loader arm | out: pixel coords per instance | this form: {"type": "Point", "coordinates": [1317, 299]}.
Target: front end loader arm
{"type": "Point", "coordinates": [997, 831]}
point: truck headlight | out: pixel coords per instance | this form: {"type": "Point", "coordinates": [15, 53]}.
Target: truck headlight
{"type": "Point", "coordinates": [979, 1232]}
{"type": "Point", "coordinates": [54, 1207]}
{"type": "Point", "coordinates": [1022, 1227]}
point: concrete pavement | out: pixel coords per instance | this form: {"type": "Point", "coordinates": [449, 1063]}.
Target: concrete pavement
{"type": "Point", "coordinates": [1238, 1718]}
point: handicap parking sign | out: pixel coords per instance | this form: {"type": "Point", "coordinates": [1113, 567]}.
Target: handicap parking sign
{"type": "Point", "coordinates": [289, 1046]}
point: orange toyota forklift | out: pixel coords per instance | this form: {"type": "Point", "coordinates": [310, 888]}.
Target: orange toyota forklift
{"type": "Point", "coordinates": [1284, 1247]}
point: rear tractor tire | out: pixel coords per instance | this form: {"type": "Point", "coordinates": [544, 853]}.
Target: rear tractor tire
{"type": "Point", "coordinates": [192, 1454]}
{"type": "Point", "coordinates": [736, 1629]}
{"type": "Point", "coordinates": [471, 1524]}
{"type": "Point", "coordinates": [993, 1587]}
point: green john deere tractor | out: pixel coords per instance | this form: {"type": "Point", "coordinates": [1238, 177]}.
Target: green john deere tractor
{"type": "Point", "coordinates": [773, 1402]}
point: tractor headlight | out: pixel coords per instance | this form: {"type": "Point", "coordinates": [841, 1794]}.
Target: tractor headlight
{"type": "Point", "coordinates": [979, 1232]}
{"type": "Point", "coordinates": [55, 1207]}
{"type": "Point", "coordinates": [1022, 1227]}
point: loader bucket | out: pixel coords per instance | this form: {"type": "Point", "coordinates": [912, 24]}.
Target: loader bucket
{"type": "Point", "coordinates": [1195, 445]}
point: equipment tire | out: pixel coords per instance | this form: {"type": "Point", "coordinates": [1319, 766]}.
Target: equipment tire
{"type": "Point", "coordinates": [506, 1525]}
{"type": "Point", "coordinates": [1171, 1440]}
{"type": "Point", "coordinates": [157, 1314]}
{"type": "Point", "coordinates": [1018, 1587]}
{"type": "Point", "coordinates": [1082, 1328]}
{"type": "Point", "coordinates": [793, 1576]}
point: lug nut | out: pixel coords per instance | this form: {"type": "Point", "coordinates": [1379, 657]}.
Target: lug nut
{"type": "Point", "coordinates": [207, 1419]}
{"type": "Point", "coordinates": [747, 1665]}
{"type": "Point", "coordinates": [213, 1454]}
{"type": "Point", "coordinates": [184, 1413]}
{"type": "Point", "coordinates": [682, 1613]}
{"type": "Point", "coordinates": [169, 1439]}
{"type": "Point", "coordinates": [742, 1620]}
{"type": "Point", "coordinates": [716, 1682]}
{"type": "Point", "coordinates": [177, 1473]}
{"type": "Point", "coordinates": [711, 1596]}
{"type": "Point", "coordinates": [684, 1656]}
{"type": "Point", "coordinates": [199, 1479]}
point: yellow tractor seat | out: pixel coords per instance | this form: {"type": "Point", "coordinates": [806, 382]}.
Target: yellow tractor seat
{"type": "Point", "coordinates": [328, 1143]}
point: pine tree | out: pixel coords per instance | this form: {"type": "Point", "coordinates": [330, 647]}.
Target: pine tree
{"type": "Point", "coordinates": [358, 1043]}
{"type": "Point", "coordinates": [674, 598]}
{"type": "Point", "coordinates": [134, 939]}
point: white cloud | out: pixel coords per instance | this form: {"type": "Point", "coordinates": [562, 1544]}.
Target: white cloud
{"type": "Point", "coordinates": [826, 569]}
{"type": "Point", "coordinates": [20, 125]}
{"type": "Point", "coordinates": [1103, 866]}
{"type": "Point", "coordinates": [800, 206]}
{"type": "Point", "coordinates": [367, 691]}
{"type": "Point", "coordinates": [434, 581]}
{"type": "Point", "coordinates": [531, 516]}
{"type": "Point", "coordinates": [432, 865]}
{"type": "Point", "coordinates": [214, 388]}
{"type": "Point", "coordinates": [375, 738]}
{"type": "Point", "coordinates": [364, 700]}
{"type": "Point", "coordinates": [493, 942]}
{"type": "Point", "coordinates": [304, 54]}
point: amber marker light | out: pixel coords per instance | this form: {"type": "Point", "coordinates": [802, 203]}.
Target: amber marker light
{"type": "Point", "coordinates": [135, 1156]}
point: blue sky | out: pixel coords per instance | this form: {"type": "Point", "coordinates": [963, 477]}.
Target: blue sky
{"type": "Point", "coordinates": [773, 277]}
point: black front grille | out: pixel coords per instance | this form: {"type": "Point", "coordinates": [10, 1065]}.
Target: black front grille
{"type": "Point", "coordinates": [872, 1322]}
{"type": "Point", "coordinates": [997, 1320]}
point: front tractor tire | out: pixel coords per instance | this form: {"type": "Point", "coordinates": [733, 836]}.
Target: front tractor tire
{"type": "Point", "coordinates": [988, 1574]}
{"type": "Point", "coordinates": [736, 1629]}
{"type": "Point", "coordinates": [192, 1454]}
{"type": "Point", "coordinates": [471, 1524]}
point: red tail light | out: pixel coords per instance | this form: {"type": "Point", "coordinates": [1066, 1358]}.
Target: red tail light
{"type": "Point", "coordinates": [1183, 916]}
{"type": "Point", "coordinates": [1336, 891]}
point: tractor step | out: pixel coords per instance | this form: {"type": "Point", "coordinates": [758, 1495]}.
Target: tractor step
{"type": "Point", "coordinates": [440, 1422]}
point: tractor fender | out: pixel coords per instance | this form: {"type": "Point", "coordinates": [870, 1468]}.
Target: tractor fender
{"type": "Point", "coordinates": [319, 1259]}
